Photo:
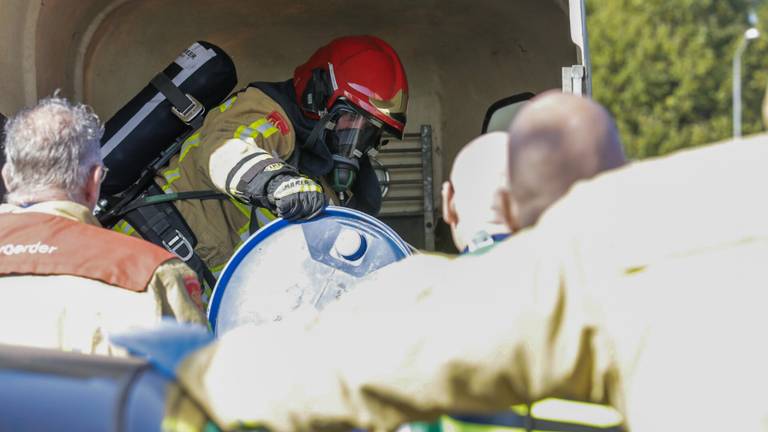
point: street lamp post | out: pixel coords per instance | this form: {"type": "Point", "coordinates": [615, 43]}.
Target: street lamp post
{"type": "Point", "coordinates": [750, 34]}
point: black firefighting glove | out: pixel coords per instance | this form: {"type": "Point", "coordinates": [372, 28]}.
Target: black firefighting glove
{"type": "Point", "coordinates": [296, 197]}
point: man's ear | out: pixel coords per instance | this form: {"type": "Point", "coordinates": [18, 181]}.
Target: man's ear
{"type": "Point", "coordinates": [93, 186]}
{"type": "Point", "coordinates": [506, 209]}
{"type": "Point", "coordinates": [6, 176]}
{"type": "Point", "coordinates": [449, 207]}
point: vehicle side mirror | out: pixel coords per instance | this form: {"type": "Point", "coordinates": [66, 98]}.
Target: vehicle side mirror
{"type": "Point", "coordinates": [501, 113]}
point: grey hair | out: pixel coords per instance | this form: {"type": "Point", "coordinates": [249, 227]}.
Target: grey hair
{"type": "Point", "coordinates": [52, 145]}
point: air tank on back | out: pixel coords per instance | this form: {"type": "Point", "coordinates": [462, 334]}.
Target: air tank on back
{"type": "Point", "coordinates": [146, 125]}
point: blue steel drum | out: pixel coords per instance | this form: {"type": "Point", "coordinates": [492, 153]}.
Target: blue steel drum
{"type": "Point", "coordinates": [285, 266]}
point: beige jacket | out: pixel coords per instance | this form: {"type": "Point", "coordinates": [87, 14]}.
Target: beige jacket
{"type": "Point", "coordinates": [246, 124]}
{"type": "Point", "coordinates": [644, 288]}
{"type": "Point", "coordinates": [76, 313]}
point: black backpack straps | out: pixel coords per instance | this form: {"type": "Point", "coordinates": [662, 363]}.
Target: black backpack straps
{"type": "Point", "coordinates": [176, 196]}
{"type": "Point", "coordinates": [161, 223]}
{"type": "Point", "coordinates": [185, 107]}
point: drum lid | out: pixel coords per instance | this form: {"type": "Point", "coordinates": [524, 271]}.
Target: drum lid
{"type": "Point", "coordinates": [285, 266]}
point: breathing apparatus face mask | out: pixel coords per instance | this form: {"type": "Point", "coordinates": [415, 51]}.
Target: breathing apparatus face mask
{"type": "Point", "coordinates": [350, 136]}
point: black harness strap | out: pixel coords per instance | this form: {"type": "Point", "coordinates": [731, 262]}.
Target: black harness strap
{"type": "Point", "coordinates": [185, 107]}
{"type": "Point", "coordinates": [165, 86]}
{"type": "Point", "coordinates": [162, 224]}
{"type": "Point", "coordinates": [177, 196]}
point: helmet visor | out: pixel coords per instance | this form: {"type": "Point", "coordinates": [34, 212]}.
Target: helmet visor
{"type": "Point", "coordinates": [353, 135]}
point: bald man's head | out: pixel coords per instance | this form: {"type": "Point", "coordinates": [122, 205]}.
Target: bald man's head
{"type": "Point", "coordinates": [479, 172]}
{"type": "Point", "coordinates": [555, 141]}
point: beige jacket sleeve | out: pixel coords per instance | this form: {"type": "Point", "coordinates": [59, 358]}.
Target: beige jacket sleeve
{"type": "Point", "coordinates": [248, 124]}
{"type": "Point", "coordinates": [177, 292]}
{"type": "Point", "coordinates": [474, 334]}
{"type": "Point", "coordinates": [653, 278]}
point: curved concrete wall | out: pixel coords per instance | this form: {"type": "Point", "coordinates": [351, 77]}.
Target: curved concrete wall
{"type": "Point", "coordinates": [61, 28]}
{"type": "Point", "coordinates": [40, 42]}
{"type": "Point", "coordinates": [460, 55]}
{"type": "Point", "coordinates": [18, 30]}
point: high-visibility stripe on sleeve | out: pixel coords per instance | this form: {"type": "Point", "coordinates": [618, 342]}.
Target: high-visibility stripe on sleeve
{"type": "Point", "coordinates": [267, 129]}
{"type": "Point", "coordinates": [190, 143]}
{"type": "Point", "coordinates": [260, 126]}
{"type": "Point", "coordinates": [250, 131]}
{"type": "Point", "coordinates": [227, 104]}
{"type": "Point", "coordinates": [123, 227]}
{"type": "Point", "coordinates": [170, 176]}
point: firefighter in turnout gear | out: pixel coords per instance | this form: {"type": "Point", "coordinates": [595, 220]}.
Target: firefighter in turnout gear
{"type": "Point", "coordinates": [288, 148]}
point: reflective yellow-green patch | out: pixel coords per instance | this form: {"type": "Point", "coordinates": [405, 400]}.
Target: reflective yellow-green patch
{"type": "Point", "coordinates": [260, 126]}
{"type": "Point", "coordinates": [123, 227]}
{"type": "Point", "coordinates": [227, 104]}
{"type": "Point", "coordinates": [170, 176]}
{"type": "Point", "coordinates": [190, 143]}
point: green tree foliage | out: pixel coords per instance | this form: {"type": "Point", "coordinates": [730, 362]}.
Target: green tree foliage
{"type": "Point", "coordinates": [663, 68]}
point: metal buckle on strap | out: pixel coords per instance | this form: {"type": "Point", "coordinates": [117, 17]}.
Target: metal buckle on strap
{"type": "Point", "coordinates": [191, 112]}
{"type": "Point", "coordinates": [177, 242]}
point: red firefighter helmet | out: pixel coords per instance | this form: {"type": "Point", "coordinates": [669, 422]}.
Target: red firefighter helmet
{"type": "Point", "coordinates": [363, 71]}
